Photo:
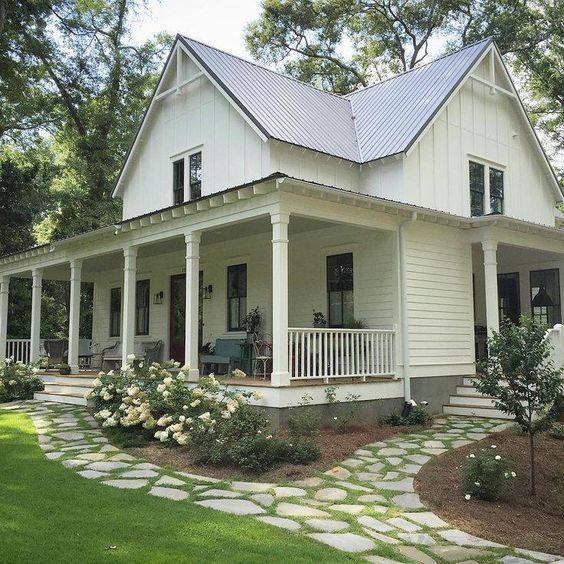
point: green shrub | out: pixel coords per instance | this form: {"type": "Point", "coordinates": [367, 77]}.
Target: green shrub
{"type": "Point", "coordinates": [347, 411]}
{"type": "Point", "coordinates": [485, 474]}
{"type": "Point", "coordinates": [557, 431]}
{"type": "Point", "coordinates": [128, 437]}
{"type": "Point", "coordinates": [417, 416]}
{"type": "Point", "coordinates": [303, 452]}
{"type": "Point", "coordinates": [395, 420]}
{"type": "Point", "coordinates": [305, 421]}
{"type": "Point", "coordinates": [257, 453]}
{"type": "Point", "coordinates": [18, 381]}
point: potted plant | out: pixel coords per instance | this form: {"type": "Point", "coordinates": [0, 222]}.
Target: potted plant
{"type": "Point", "coordinates": [252, 322]}
{"type": "Point", "coordinates": [64, 369]}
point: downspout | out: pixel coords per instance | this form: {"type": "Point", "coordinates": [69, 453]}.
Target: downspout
{"type": "Point", "coordinates": [403, 308]}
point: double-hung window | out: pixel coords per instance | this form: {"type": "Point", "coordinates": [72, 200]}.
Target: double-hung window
{"type": "Point", "coordinates": [195, 176]}
{"type": "Point", "coordinates": [486, 189]}
{"type": "Point", "coordinates": [340, 289]}
{"type": "Point", "coordinates": [115, 312]}
{"type": "Point", "coordinates": [178, 182]}
{"type": "Point", "coordinates": [236, 297]}
{"type": "Point", "coordinates": [545, 296]}
{"type": "Point", "coordinates": [142, 307]}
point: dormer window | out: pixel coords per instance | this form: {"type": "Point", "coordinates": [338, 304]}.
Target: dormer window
{"type": "Point", "coordinates": [178, 182]}
{"type": "Point", "coordinates": [486, 189]}
{"type": "Point", "coordinates": [196, 176]}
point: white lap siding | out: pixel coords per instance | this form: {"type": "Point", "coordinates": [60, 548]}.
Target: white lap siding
{"type": "Point", "coordinates": [440, 302]}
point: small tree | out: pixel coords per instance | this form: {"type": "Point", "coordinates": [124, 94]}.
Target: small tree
{"type": "Point", "coordinates": [521, 377]}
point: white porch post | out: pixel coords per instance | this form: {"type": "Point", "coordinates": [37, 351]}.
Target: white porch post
{"type": "Point", "coordinates": [129, 291]}
{"type": "Point", "coordinates": [280, 369]}
{"type": "Point", "coordinates": [37, 281]}
{"type": "Point", "coordinates": [192, 240]}
{"type": "Point", "coordinates": [74, 314]}
{"type": "Point", "coordinates": [490, 281]}
{"type": "Point", "coordinates": [4, 292]}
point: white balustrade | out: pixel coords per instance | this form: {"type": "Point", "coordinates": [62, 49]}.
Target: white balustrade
{"type": "Point", "coordinates": [341, 353]}
{"type": "Point", "coordinates": [19, 349]}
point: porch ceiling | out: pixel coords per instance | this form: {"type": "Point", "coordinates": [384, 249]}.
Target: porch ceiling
{"type": "Point", "coordinates": [513, 255]}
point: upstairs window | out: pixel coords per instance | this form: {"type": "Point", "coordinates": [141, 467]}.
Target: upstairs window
{"type": "Point", "coordinates": [115, 312]}
{"type": "Point", "coordinates": [486, 189]}
{"type": "Point", "coordinates": [142, 307]}
{"type": "Point", "coordinates": [236, 297]}
{"type": "Point", "coordinates": [178, 182]}
{"type": "Point", "coordinates": [545, 296]}
{"type": "Point", "coordinates": [195, 176]}
{"type": "Point", "coordinates": [340, 289]}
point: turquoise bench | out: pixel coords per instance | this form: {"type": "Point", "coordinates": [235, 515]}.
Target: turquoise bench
{"type": "Point", "coordinates": [228, 352]}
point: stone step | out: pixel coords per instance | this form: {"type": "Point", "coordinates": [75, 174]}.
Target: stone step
{"type": "Point", "coordinates": [75, 399]}
{"type": "Point", "coordinates": [468, 381]}
{"type": "Point", "coordinates": [474, 411]}
{"type": "Point", "coordinates": [65, 388]}
{"type": "Point", "coordinates": [82, 379]}
{"type": "Point", "coordinates": [467, 391]}
{"type": "Point", "coordinates": [476, 400]}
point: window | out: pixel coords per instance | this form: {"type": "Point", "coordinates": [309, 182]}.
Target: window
{"type": "Point", "coordinates": [476, 189]}
{"type": "Point", "coordinates": [236, 296]}
{"type": "Point", "coordinates": [485, 197]}
{"type": "Point", "coordinates": [195, 176]}
{"type": "Point", "coordinates": [508, 296]}
{"type": "Point", "coordinates": [115, 312]}
{"type": "Point", "coordinates": [340, 289]}
{"type": "Point", "coordinates": [545, 296]}
{"type": "Point", "coordinates": [178, 182]}
{"type": "Point", "coordinates": [142, 307]}
{"type": "Point", "coordinates": [496, 190]}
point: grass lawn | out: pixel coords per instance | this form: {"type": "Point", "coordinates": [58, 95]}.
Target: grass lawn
{"type": "Point", "coordinates": [50, 514]}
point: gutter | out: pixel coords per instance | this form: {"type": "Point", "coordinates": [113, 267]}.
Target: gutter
{"type": "Point", "coordinates": [404, 310]}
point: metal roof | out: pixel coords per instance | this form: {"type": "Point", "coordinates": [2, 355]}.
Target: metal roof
{"type": "Point", "coordinates": [380, 120]}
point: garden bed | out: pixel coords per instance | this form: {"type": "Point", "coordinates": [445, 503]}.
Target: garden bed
{"type": "Point", "coordinates": [516, 519]}
{"type": "Point", "coordinates": [335, 447]}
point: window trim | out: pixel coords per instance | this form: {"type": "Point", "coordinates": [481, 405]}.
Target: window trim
{"type": "Point", "coordinates": [558, 318]}
{"type": "Point", "coordinates": [185, 156]}
{"type": "Point", "coordinates": [329, 292]}
{"type": "Point", "coordinates": [116, 333]}
{"type": "Point", "coordinates": [189, 173]}
{"type": "Point", "coordinates": [239, 327]}
{"type": "Point", "coordinates": [146, 330]}
{"type": "Point", "coordinates": [487, 199]}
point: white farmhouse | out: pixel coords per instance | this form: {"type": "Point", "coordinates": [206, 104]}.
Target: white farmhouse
{"type": "Point", "coordinates": [412, 214]}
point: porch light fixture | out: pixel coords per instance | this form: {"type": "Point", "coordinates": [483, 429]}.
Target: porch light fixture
{"type": "Point", "coordinates": [542, 299]}
{"type": "Point", "coordinates": [158, 298]}
{"type": "Point", "coordinates": [207, 292]}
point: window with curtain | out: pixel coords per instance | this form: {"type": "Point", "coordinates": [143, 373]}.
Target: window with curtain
{"type": "Point", "coordinates": [545, 296]}
{"type": "Point", "coordinates": [477, 189]}
{"type": "Point", "coordinates": [340, 289]}
{"type": "Point", "coordinates": [236, 296]}
{"type": "Point", "coordinates": [115, 312]}
{"type": "Point", "coordinates": [196, 176]}
{"type": "Point", "coordinates": [142, 307]}
{"type": "Point", "coordinates": [178, 182]}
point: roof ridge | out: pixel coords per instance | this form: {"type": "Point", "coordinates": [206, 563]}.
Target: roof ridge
{"type": "Point", "coordinates": [253, 63]}
{"type": "Point", "coordinates": [446, 55]}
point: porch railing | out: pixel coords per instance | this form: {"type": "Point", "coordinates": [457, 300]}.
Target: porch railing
{"type": "Point", "coordinates": [341, 353]}
{"type": "Point", "coordinates": [19, 349]}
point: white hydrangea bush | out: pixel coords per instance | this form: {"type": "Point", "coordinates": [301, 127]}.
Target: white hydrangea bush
{"type": "Point", "coordinates": [18, 380]}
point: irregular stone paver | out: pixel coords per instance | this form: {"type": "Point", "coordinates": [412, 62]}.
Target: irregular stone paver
{"type": "Point", "coordinates": [235, 506]}
{"type": "Point", "coordinates": [281, 522]}
{"type": "Point", "coordinates": [384, 466]}
{"type": "Point", "coordinates": [380, 560]}
{"type": "Point", "coordinates": [348, 542]}
{"type": "Point", "coordinates": [169, 493]}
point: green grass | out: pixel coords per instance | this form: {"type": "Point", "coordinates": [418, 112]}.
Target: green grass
{"type": "Point", "coordinates": [50, 514]}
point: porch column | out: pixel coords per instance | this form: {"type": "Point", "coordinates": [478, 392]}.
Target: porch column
{"type": "Point", "coordinates": [280, 370]}
{"type": "Point", "coordinates": [490, 281]}
{"type": "Point", "coordinates": [74, 315]}
{"type": "Point", "coordinates": [4, 291]}
{"type": "Point", "coordinates": [37, 281]}
{"type": "Point", "coordinates": [192, 240]}
{"type": "Point", "coordinates": [129, 291]}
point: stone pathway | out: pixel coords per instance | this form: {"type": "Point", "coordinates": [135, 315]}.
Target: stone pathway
{"type": "Point", "coordinates": [367, 505]}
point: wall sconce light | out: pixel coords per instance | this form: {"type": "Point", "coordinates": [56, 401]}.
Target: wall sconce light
{"type": "Point", "coordinates": [207, 292]}
{"type": "Point", "coordinates": [158, 298]}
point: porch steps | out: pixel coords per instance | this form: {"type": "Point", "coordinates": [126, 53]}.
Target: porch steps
{"type": "Point", "coordinates": [66, 388]}
{"type": "Point", "coordinates": [469, 401]}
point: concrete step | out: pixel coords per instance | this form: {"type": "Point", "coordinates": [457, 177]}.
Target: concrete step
{"type": "Point", "coordinates": [468, 381]}
{"type": "Point", "coordinates": [60, 398]}
{"type": "Point", "coordinates": [64, 388]}
{"type": "Point", "coordinates": [82, 379]}
{"type": "Point", "coordinates": [474, 411]}
{"type": "Point", "coordinates": [477, 400]}
{"type": "Point", "coordinates": [467, 391]}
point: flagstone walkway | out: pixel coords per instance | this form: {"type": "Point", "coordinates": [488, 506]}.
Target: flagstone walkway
{"type": "Point", "coordinates": [367, 505]}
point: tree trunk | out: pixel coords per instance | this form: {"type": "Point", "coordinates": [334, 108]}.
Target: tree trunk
{"type": "Point", "coordinates": [532, 454]}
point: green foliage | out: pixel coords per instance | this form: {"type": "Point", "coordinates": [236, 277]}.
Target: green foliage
{"type": "Point", "coordinates": [485, 474]}
{"type": "Point", "coordinates": [18, 381]}
{"type": "Point", "coordinates": [128, 437]}
{"type": "Point", "coordinates": [557, 431]}
{"type": "Point", "coordinates": [253, 320]}
{"type": "Point", "coordinates": [417, 416]}
{"type": "Point", "coordinates": [348, 410]}
{"type": "Point", "coordinates": [305, 420]}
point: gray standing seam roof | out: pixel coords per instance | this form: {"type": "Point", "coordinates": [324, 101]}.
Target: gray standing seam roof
{"type": "Point", "coordinates": [377, 121]}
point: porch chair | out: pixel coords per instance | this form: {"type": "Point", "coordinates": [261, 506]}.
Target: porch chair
{"type": "Point", "coordinates": [148, 351]}
{"type": "Point", "coordinates": [55, 351]}
{"type": "Point", "coordinates": [227, 353]}
{"type": "Point", "coordinates": [262, 353]}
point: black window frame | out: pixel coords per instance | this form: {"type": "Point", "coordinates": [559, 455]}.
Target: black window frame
{"type": "Point", "coordinates": [178, 173]}
{"type": "Point", "coordinates": [477, 192]}
{"type": "Point", "coordinates": [496, 191]}
{"type": "Point", "coordinates": [235, 271]}
{"type": "Point", "coordinates": [195, 180]}
{"type": "Point", "coordinates": [115, 312]}
{"type": "Point", "coordinates": [506, 312]}
{"type": "Point", "coordinates": [341, 288]}
{"type": "Point", "coordinates": [555, 311]}
{"type": "Point", "coordinates": [142, 305]}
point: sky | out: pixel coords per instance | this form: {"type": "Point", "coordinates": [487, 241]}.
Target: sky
{"type": "Point", "coordinates": [220, 23]}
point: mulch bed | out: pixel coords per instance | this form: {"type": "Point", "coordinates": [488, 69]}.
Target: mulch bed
{"type": "Point", "coordinates": [335, 447]}
{"type": "Point", "coordinates": [517, 519]}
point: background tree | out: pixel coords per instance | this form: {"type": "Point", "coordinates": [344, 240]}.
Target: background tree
{"type": "Point", "coordinates": [521, 377]}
